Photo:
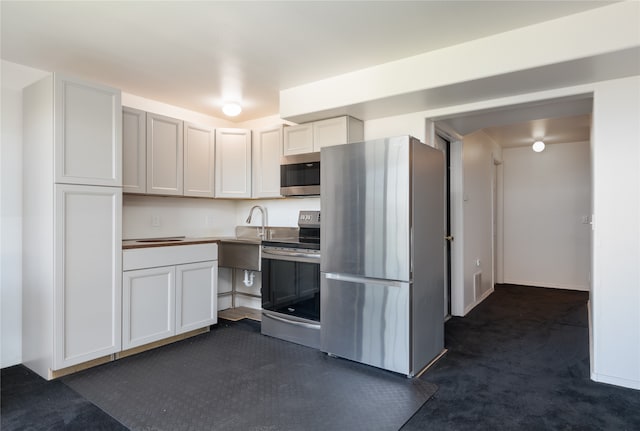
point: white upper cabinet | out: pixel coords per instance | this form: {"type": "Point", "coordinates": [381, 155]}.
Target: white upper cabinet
{"type": "Point", "coordinates": [87, 125]}
{"type": "Point", "coordinates": [311, 137]}
{"type": "Point", "coordinates": [164, 155]}
{"type": "Point", "coordinates": [233, 163]}
{"type": "Point", "coordinates": [267, 151]}
{"type": "Point", "coordinates": [199, 159]}
{"type": "Point", "coordinates": [134, 150]}
{"type": "Point", "coordinates": [336, 131]}
{"type": "Point", "coordinates": [298, 139]}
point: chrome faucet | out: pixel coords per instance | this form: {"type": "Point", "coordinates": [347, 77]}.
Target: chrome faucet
{"type": "Point", "coordinates": [263, 211]}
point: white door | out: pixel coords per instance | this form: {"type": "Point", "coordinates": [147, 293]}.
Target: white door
{"type": "Point", "coordinates": [298, 139]}
{"type": "Point", "coordinates": [148, 305]}
{"type": "Point", "coordinates": [164, 155]}
{"type": "Point", "coordinates": [88, 242]}
{"type": "Point", "coordinates": [88, 133]}
{"type": "Point", "coordinates": [233, 163]}
{"type": "Point", "coordinates": [199, 157]}
{"type": "Point", "coordinates": [196, 296]}
{"type": "Point", "coordinates": [267, 152]}
{"type": "Point", "coordinates": [134, 150]}
{"type": "Point", "coordinates": [329, 132]}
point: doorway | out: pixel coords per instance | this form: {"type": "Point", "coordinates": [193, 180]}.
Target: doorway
{"type": "Point", "coordinates": [445, 144]}
{"type": "Point", "coordinates": [463, 194]}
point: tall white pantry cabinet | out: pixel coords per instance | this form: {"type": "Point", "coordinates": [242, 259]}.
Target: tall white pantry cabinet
{"type": "Point", "coordinates": [72, 233]}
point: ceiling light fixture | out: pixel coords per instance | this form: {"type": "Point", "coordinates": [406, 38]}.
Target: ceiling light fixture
{"type": "Point", "coordinates": [231, 109]}
{"type": "Point", "coordinates": [538, 146]}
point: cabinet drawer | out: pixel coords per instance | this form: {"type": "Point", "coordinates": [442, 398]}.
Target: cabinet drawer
{"type": "Point", "coordinates": [151, 257]}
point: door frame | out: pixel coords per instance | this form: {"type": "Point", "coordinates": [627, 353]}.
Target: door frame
{"type": "Point", "coordinates": [456, 215]}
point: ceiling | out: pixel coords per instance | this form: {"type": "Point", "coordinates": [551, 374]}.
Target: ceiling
{"type": "Point", "coordinates": [197, 55]}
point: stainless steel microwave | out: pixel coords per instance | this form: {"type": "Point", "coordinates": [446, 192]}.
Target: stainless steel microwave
{"type": "Point", "coordinates": [300, 175]}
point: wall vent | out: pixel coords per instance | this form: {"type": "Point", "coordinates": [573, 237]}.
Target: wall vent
{"type": "Point", "coordinates": [477, 284]}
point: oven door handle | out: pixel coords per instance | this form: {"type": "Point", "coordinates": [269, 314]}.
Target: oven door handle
{"type": "Point", "coordinates": [291, 322]}
{"type": "Point", "coordinates": [266, 253]}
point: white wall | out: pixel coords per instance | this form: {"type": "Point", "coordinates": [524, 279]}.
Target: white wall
{"type": "Point", "coordinates": [280, 212]}
{"type": "Point", "coordinates": [14, 78]}
{"type": "Point", "coordinates": [178, 217]}
{"type": "Point", "coordinates": [204, 217]}
{"type": "Point", "coordinates": [547, 206]}
{"type": "Point", "coordinates": [615, 298]}
{"type": "Point", "coordinates": [478, 153]}
{"type": "Point", "coordinates": [161, 108]}
{"type": "Point", "coordinates": [410, 124]}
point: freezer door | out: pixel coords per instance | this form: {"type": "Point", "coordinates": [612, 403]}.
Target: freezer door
{"type": "Point", "coordinates": [366, 214]}
{"type": "Point", "coordinates": [366, 320]}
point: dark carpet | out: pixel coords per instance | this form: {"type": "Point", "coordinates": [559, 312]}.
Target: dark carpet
{"type": "Point", "coordinates": [520, 361]}
{"type": "Point", "coordinates": [234, 378]}
{"type": "Point", "coordinates": [28, 402]}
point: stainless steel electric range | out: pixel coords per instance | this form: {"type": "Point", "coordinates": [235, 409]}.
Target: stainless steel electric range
{"type": "Point", "coordinates": [291, 284]}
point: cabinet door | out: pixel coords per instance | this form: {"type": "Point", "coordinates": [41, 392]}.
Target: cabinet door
{"type": "Point", "coordinates": [199, 156]}
{"type": "Point", "coordinates": [196, 296]}
{"type": "Point", "coordinates": [298, 139]}
{"type": "Point", "coordinates": [88, 133]}
{"type": "Point", "coordinates": [267, 151]}
{"type": "Point", "coordinates": [134, 150]}
{"type": "Point", "coordinates": [164, 155]}
{"type": "Point", "coordinates": [329, 132]}
{"type": "Point", "coordinates": [148, 305]}
{"type": "Point", "coordinates": [88, 277]}
{"type": "Point", "coordinates": [233, 163]}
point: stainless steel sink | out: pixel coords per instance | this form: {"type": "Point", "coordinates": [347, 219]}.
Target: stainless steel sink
{"type": "Point", "coordinates": [245, 250]}
{"type": "Point", "coordinates": [241, 254]}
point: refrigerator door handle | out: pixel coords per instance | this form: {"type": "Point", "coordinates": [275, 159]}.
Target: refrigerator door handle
{"type": "Point", "coordinates": [356, 279]}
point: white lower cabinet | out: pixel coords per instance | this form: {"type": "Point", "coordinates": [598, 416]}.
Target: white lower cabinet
{"type": "Point", "coordinates": [168, 291]}
{"type": "Point", "coordinates": [196, 300]}
{"type": "Point", "coordinates": [148, 307]}
{"type": "Point", "coordinates": [87, 281]}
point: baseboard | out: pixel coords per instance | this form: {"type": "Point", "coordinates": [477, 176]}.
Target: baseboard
{"type": "Point", "coordinates": [617, 381]}
{"type": "Point", "coordinates": [160, 343]}
{"type": "Point", "coordinates": [482, 298]}
{"type": "Point", "coordinates": [54, 374]}
{"type": "Point", "coordinates": [547, 285]}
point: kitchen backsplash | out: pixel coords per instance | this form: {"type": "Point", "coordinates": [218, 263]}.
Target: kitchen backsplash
{"type": "Point", "coordinates": [280, 212]}
{"type": "Point", "coordinates": [155, 216]}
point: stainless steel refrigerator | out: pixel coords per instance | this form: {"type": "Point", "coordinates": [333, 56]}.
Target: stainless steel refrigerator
{"type": "Point", "coordinates": [382, 253]}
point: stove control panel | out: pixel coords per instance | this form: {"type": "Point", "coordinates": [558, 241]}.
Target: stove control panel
{"type": "Point", "coordinates": [309, 219]}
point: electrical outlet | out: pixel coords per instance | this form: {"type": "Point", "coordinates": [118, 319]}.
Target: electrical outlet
{"type": "Point", "coordinates": [155, 221]}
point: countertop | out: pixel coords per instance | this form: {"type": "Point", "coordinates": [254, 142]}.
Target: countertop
{"type": "Point", "coordinates": [177, 241]}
